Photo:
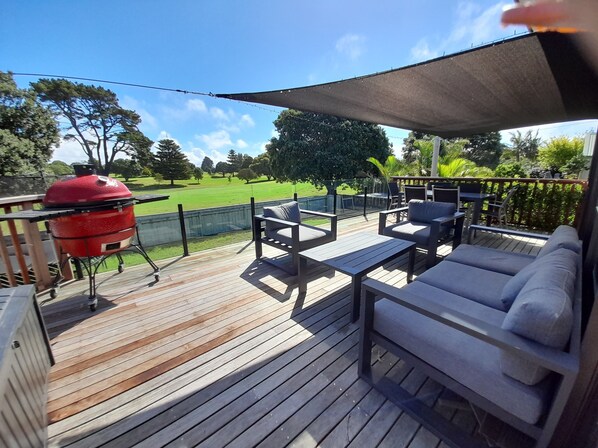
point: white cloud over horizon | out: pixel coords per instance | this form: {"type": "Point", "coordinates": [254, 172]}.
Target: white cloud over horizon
{"type": "Point", "coordinates": [351, 45]}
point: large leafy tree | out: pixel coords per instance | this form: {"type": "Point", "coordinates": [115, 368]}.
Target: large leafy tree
{"type": "Point", "coordinates": [60, 168]}
{"type": "Point", "coordinates": [207, 165]}
{"type": "Point", "coordinates": [323, 149]}
{"type": "Point", "coordinates": [484, 149]}
{"type": "Point", "coordinates": [555, 154]}
{"type": "Point", "coordinates": [28, 130]}
{"type": "Point", "coordinates": [170, 161]}
{"type": "Point", "coordinates": [261, 166]}
{"type": "Point", "coordinates": [525, 145]}
{"type": "Point", "coordinates": [96, 121]}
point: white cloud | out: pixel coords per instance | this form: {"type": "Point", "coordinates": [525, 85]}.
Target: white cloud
{"type": "Point", "coordinates": [216, 140]}
{"type": "Point", "coordinates": [422, 51]}
{"type": "Point", "coordinates": [147, 119]}
{"type": "Point", "coordinates": [165, 135]}
{"type": "Point", "coordinates": [219, 114]}
{"type": "Point", "coordinates": [351, 45]}
{"type": "Point", "coordinates": [196, 106]}
{"type": "Point", "coordinates": [246, 120]}
{"type": "Point", "coordinates": [69, 151]}
{"type": "Point", "coordinates": [472, 25]}
{"type": "Point", "coordinates": [241, 144]}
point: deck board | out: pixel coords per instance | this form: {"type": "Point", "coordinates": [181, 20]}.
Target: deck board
{"type": "Point", "coordinates": [224, 351]}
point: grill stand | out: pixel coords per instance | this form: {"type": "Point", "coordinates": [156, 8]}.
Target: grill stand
{"type": "Point", "coordinates": [91, 265]}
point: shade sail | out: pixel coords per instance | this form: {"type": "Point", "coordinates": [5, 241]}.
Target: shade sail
{"type": "Point", "coordinates": [527, 80]}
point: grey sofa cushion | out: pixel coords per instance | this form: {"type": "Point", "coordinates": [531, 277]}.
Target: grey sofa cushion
{"type": "Point", "coordinates": [427, 211]}
{"type": "Point", "coordinates": [479, 285]}
{"type": "Point", "coordinates": [309, 236]}
{"type": "Point", "coordinates": [287, 212]}
{"type": "Point", "coordinates": [542, 312]}
{"type": "Point", "coordinates": [491, 259]}
{"type": "Point", "coordinates": [563, 237]}
{"type": "Point", "coordinates": [559, 259]}
{"type": "Point", "coordinates": [471, 362]}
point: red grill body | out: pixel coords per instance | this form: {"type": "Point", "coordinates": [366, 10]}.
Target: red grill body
{"type": "Point", "coordinates": [104, 222]}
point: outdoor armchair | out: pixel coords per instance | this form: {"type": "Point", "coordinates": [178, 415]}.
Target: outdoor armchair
{"type": "Point", "coordinates": [498, 211]}
{"type": "Point", "coordinates": [280, 226]}
{"type": "Point", "coordinates": [427, 224]}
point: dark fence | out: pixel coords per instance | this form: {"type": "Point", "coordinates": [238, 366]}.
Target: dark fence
{"type": "Point", "coordinates": [540, 204]}
{"type": "Point", "coordinates": [24, 185]}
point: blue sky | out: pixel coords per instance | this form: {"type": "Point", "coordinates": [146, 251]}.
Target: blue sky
{"type": "Point", "coordinates": [229, 46]}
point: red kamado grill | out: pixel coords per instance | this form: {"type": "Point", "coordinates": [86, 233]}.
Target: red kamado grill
{"type": "Point", "coordinates": [105, 223]}
{"type": "Point", "coordinates": [92, 217]}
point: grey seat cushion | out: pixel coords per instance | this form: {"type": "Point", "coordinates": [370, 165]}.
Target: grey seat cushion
{"type": "Point", "coordinates": [542, 312]}
{"type": "Point", "coordinates": [287, 212]}
{"type": "Point", "coordinates": [427, 211]}
{"type": "Point", "coordinates": [309, 236]}
{"type": "Point", "coordinates": [560, 259]}
{"type": "Point", "coordinates": [563, 237]}
{"type": "Point", "coordinates": [491, 259]}
{"type": "Point", "coordinates": [480, 285]}
{"type": "Point", "coordinates": [418, 232]}
{"type": "Point", "coordinates": [471, 362]}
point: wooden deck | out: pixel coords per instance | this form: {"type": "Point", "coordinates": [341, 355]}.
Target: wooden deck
{"type": "Point", "coordinates": [221, 352]}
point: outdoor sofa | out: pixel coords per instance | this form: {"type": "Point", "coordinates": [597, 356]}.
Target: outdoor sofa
{"type": "Point", "coordinates": [498, 328]}
{"type": "Point", "coordinates": [281, 227]}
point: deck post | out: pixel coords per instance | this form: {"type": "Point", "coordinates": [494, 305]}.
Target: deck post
{"type": "Point", "coordinates": [183, 231]}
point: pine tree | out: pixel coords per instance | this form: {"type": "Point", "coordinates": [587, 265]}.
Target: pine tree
{"type": "Point", "coordinates": [171, 163]}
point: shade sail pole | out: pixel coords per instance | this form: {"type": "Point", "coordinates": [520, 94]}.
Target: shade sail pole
{"type": "Point", "coordinates": [435, 156]}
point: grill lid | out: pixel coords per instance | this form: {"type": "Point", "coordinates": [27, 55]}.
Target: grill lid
{"type": "Point", "coordinates": [85, 189]}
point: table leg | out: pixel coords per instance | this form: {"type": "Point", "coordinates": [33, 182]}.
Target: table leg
{"type": "Point", "coordinates": [410, 264]}
{"type": "Point", "coordinates": [355, 297]}
{"type": "Point", "coordinates": [302, 275]}
{"type": "Point", "coordinates": [477, 208]}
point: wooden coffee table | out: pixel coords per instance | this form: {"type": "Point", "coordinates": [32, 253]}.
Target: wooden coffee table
{"type": "Point", "coordinates": [356, 255]}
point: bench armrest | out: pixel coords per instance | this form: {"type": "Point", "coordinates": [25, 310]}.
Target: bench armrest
{"type": "Point", "coordinates": [473, 227]}
{"type": "Point", "coordinates": [553, 359]}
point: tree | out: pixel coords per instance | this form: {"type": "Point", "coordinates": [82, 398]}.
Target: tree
{"type": "Point", "coordinates": [323, 149]}
{"type": "Point", "coordinates": [246, 174]}
{"type": "Point", "coordinates": [60, 168]}
{"type": "Point", "coordinates": [207, 165]}
{"type": "Point", "coordinates": [484, 149]}
{"type": "Point", "coordinates": [525, 145]}
{"type": "Point", "coordinates": [409, 148]}
{"type": "Point", "coordinates": [246, 161]}
{"type": "Point", "coordinates": [171, 163]}
{"type": "Point", "coordinates": [235, 161]}
{"type": "Point", "coordinates": [198, 174]}
{"type": "Point", "coordinates": [127, 168]}
{"type": "Point", "coordinates": [392, 167]}
{"type": "Point", "coordinates": [96, 121]}
{"type": "Point", "coordinates": [558, 151]}
{"type": "Point", "coordinates": [222, 167]}
{"type": "Point", "coordinates": [261, 166]}
{"type": "Point", "coordinates": [29, 130]}
{"type": "Point", "coordinates": [510, 170]}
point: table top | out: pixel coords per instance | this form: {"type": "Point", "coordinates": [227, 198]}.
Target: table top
{"type": "Point", "coordinates": [359, 253]}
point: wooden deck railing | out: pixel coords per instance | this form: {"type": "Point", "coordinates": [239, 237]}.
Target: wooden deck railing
{"type": "Point", "coordinates": [22, 248]}
{"type": "Point", "coordinates": [540, 204]}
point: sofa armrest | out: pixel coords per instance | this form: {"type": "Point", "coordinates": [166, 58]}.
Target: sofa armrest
{"type": "Point", "coordinates": [473, 227]}
{"type": "Point", "coordinates": [553, 359]}
{"type": "Point", "coordinates": [382, 216]}
{"type": "Point", "coordinates": [449, 218]}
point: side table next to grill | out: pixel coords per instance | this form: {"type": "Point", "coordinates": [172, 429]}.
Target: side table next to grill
{"type": "Point", "coordinates": [356, 255]}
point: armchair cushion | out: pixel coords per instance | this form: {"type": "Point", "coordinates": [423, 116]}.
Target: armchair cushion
{"type": "Point", "coordinates": [427, 211]}
{"type": "Point", "coordinates": [541, 312]}
{"type": "Point", "coordinates": [563, 237]}
{"type": "Point", "coordinates": [478, 285]}
{"type": "Point", "coordinates": [309, 236]}
{"type": "Point", "coordinates": [561, 262]}
{"type": "Point", "coordinates": [287, 212]}
{"type": "Point", "coordinates": [418, 232]}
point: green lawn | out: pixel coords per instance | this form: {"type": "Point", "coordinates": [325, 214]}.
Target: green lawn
{"type": "Point", "coordinates": [213, 192]}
